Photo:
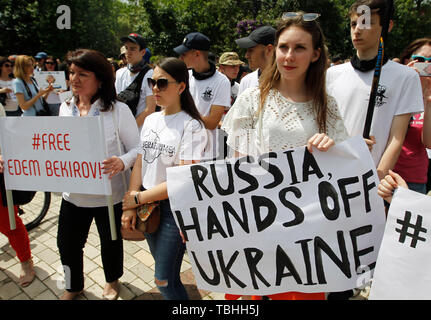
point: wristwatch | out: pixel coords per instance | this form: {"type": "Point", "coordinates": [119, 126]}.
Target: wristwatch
{"type": "Point", "coordinates": [137, 198]}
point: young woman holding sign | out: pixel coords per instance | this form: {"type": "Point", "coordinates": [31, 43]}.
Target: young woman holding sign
{"type": "Point", "coordinates": [93, 89]}
{"type": "Point", "coordinates": [290, 108]}
{"type": "Point", "coordinates": [174, 136]}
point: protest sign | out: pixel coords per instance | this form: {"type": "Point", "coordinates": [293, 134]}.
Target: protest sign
{"type": "Point", "coordinates": [57, 154]}
{"type": "Point", "coordinates": [285, 221]}
{"type": "Point", "coordinates": [404, 262]}
{"type": "Point", "coordinates": [56, 78]}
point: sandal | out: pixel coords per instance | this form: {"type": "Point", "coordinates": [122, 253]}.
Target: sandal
{"type": "Point", "coordinates": [114, 291]}
{"type": "Point", "coordinates": [28, 274]}
{"type": "Point", "coordinates": [69, 295]}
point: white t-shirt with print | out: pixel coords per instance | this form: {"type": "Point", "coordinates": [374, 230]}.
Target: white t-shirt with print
{"type": "Point", "coordinates": [206, 93]}
{"type": "Point", "coordinates": [399, 92]}
{"type": "Point", "coordinates": [167, 139]}
{"type": "Point", "coordinates": [249, 81]}
{"type": "Point", "coordinates": [124, 78]}
{"type": "Point", "coordinates": [11, 101]}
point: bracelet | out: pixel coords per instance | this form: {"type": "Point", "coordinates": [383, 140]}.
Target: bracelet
{"type": "Point", "coordinates": [137, 198]}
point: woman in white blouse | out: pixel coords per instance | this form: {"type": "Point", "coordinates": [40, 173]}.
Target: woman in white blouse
{"type": "Point", "coordinates": [290, 108]}
{"type": "Point", "coordinates": [174, 136]}
{"type": "Point", "coordinates": [93, 89]}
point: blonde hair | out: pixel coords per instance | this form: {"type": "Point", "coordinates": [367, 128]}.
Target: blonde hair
{"type": "Point", "coordinates": [316, 73]}
{"type": "Point", "coordinates": [21, 63]}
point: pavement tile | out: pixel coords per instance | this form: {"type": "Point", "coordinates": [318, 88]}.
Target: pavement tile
{"type": "Point", "coordinates": [145, 257]}
{"type": "Point", "coordinates": [35, 288]}
{"type": "Point", "coordinates": [46, 295]}
{"type": "Point", "coordinates": [9, 290]}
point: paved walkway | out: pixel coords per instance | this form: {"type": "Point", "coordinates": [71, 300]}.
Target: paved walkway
{"type": "Point", "coordinates": [137, 281]}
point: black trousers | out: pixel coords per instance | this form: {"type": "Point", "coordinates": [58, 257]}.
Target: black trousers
{"type": "Point", "coordinates": [73, 227]}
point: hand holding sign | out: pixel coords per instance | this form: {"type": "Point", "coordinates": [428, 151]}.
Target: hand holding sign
{"type": "Point", "coordinates": [389, 184]}
{"type": "Point", "coordinates": [320, 141]}
{"type": "Point", "coordinates": [112, 166]}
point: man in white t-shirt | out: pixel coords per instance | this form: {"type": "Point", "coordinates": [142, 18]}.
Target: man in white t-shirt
{"type": "Point", "coordinates": [260, 47]}
{"type": "Point", "coordinates": [135, 49]}
{"type": "Point", "coordinates": [209, 88]}
{"type": "Point", "coordinates": [398, 95]}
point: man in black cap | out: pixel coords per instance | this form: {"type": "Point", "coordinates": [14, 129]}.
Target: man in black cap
{"type": "Point", "coordinates": [131, 82]}
{"type": "Point", "coordinates": [209, 88]}
{"type": "Point", "coordinates": [260, 47]}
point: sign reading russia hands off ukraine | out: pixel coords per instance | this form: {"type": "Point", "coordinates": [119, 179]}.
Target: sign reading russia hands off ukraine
{"type": "Point", "coordinates": [285, 221]}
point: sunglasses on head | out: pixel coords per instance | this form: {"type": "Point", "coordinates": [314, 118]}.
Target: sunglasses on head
{"type": "Point", "coordinates": [305, 16]}
{"type": "Point", "coordinates": [421, 58]}
{"type": "Point", "coordinates": [162, 84]}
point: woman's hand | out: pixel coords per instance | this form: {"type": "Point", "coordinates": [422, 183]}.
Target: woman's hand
{"type": "Point", "coordinates": [128, 219]}
{"type": "Point", "coordinates": [389, 184]}
{"type": "Point", "coordinates": [182, 237]}
{"type": "Point", "coordinates": [1, 164]}
{"type": "Point", "coordinates": [129, 200]}
{"type": "Point", "coordinates": [320, 141]}
{"type": "Point", "coordinates": [112, 166]}
{"type": "Point", "coordinates": [43, 92]}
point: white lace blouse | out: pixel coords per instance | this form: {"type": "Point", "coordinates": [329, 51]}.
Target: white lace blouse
{"type": "Point", "coordinates": [282, 125]}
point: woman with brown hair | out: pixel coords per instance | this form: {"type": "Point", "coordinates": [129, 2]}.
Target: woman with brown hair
{"type": "Point", "coordinates": [175, 136]}
{"type": "Point", "coordinates": [92, 82]}
{"type": "Point", "coordinates": [290, 108]}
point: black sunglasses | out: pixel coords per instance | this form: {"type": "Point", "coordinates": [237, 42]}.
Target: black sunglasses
{"type": "Point", "coordinates": [421, 58]}
{"type": "Point", "coordinates": [49, 62]}
{"type": "Point", "coordinates": [7, 65]}
{"type": "Point", "coordinates": [162, 84]}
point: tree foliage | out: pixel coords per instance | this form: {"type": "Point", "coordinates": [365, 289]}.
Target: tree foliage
{"type": "Point", "coordinates": [29, 26]}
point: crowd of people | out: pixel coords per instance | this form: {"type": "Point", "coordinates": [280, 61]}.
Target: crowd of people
{"type": "Point", "coordinates": [194, 107]}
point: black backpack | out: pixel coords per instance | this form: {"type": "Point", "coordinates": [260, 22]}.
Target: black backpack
{"type": "Point", "coordinates": [132, 93]}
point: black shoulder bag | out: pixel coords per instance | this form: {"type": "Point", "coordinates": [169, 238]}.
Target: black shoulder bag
{"type": "Point", "coordinates": [45, 111]}
{"type": "Point", "coordinates": [19, 197]}
{"type": "Point", "coordinates": [132, 93]}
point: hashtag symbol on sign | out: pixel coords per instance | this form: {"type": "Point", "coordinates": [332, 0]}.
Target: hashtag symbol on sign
{"type": "Point", "coordinates": [36, 141]}
{"type": "Point", "coordinates": [406, 225]}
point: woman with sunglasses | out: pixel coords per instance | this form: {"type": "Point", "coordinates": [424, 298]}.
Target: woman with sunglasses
{"type": "Point", "coordinates": [413, 163]}
{"type": "Point", "coordinates": [290, 108]}
{"type": "Point", "coordinates": [92, 83]}
{"type": "Point", "coordinates": [28, 94]}
{"type": "Point", "coordinates": [175, 136]}
{"type": "Point", "coordinates": [6, 88]}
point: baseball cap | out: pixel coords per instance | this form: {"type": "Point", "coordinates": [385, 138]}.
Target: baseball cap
{"type": "Point", "coordinates": [122, 51]}
{"type": "Point", "coordinates": [135, 38]}
{"type": "Point", "coordinates": [194, 40]}
{"type": "Point", "coordinates": [41, 55]}
{"type": "Point", "coordinates": [230, 59]}
{"type": "Point", "coordinates": [263, 35]}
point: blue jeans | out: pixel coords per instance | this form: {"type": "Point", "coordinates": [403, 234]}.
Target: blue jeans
{"type": "Point", "coordinates": [418, 187]}
{"type": "Point", "coordinates": [168, 249]}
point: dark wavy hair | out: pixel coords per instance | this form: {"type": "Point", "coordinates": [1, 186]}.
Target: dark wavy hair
{"type": "Point", "coordinates": [177, 69]}
{"type": "Point", "coordinates": [94, 61]}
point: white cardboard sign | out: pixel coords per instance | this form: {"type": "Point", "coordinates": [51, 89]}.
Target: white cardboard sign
{"type": "Point", "coordinates": [290, 221]}
{"type": "Point", "coordinates": [57, 154]}
{"type": "Point", "coordinates": [404, 263]}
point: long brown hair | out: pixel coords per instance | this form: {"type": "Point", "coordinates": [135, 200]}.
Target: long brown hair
{"type": "Point", "coordinates": [315, 80]}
